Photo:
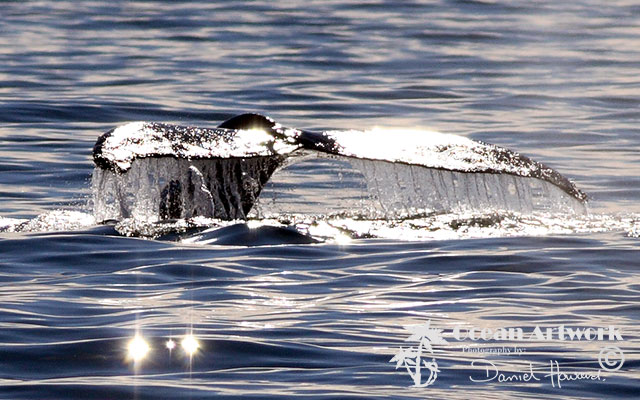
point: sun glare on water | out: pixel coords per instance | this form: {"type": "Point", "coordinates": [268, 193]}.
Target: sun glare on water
{"type": "Point", "coordinates": [190, 345]}
{"type": "Point", "coordinates": [138, 348]}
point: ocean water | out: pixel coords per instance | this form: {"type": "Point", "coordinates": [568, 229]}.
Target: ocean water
{"type": "Point", "coordinates": [277, 314]}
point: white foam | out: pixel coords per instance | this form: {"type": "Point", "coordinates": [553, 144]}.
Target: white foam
{"type": "Point", "coordinates": [57, 220]}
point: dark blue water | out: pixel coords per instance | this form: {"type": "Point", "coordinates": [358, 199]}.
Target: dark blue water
{"type": "Point", "coordinates": [555, 80]}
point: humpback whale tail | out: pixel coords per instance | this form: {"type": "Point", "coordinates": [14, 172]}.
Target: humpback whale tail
{"type": "Point", "coordinates": [160, 171]}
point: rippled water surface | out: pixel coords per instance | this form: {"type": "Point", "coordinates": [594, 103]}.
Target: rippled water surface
{"type": "Point", "coordinates": [275, 313]}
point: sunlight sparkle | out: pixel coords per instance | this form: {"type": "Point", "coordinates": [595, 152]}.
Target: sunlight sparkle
{"type": "Point", "coordinates": [190, 344]}
{"type": "Point", "coordinates": [138, 348]}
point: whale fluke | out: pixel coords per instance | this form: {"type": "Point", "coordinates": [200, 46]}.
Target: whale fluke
{"type": "Point", "coordinates": [161, 171]}
{"type": "Point", "coordinates": [119, 147]}
{"type": "Point", "coordinates": [441, 151]}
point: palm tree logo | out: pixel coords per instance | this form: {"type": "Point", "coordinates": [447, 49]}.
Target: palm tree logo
{"type": "Point", "coordinates": [411, 357]}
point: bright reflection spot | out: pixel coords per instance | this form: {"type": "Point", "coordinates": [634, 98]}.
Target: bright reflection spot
{"type": "Point", "coordinates": [341, 238]}
{"type": "Point", "coordinates": [253, 224]}
{"type": "Point", "coordinates": [170, 344]}
{"type": "Point", "coordinates": [138, 348]}
{"type": "Point", "coordinates": [190, 344]}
